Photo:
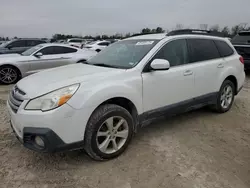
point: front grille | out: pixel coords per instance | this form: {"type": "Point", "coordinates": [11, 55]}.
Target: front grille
{"type": "Point", "coordinates": [28, 138]}
{"type": "Point", "coordinates": [16, 98]}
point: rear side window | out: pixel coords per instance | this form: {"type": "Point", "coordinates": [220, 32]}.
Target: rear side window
{"type": "Point", "coordinates": [224, 49]}
{"type": "Point", "coordinates": [53, 50]}
{"type": "Point", "coordinates": [202, 50]}
{"type": "Point", "coordinates": [64, 50]}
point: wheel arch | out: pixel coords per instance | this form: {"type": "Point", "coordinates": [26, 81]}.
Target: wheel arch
{"type": "Point", "coordinates": [233, 79]}
{"type": "Point", "coordinates": [125, 103]}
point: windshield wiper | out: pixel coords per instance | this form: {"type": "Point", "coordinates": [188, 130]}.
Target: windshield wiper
{"type": "Point", "coordinates": [104, 65]}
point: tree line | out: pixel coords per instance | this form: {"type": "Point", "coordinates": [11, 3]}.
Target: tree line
{"type": "Point", "coordinates": [226, 31]}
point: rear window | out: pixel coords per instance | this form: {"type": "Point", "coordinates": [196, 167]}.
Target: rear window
{"type": "Point", "coordinates": [202, 50]}
{"type": "Point", "coordinates": [224, 49]}
{"type": "Point", "coordinates": [242, 38]}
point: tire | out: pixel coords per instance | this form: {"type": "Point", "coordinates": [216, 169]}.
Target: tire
{"type": "Point", "coordinates": [12, 73]}
{"type": "Point", "coordinates": [98, 50]}
{"type": "Point", "coordinates": [218, 107]}
{"type": "Point", "coordinates": [98, 121]}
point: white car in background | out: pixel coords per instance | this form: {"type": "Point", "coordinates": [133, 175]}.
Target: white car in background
{"type": "Point", "coordinates": [76, 42]}
{"type": "Point", "coordinates": [97, 45]}
{"type": "Point", "coordinates": [13, 67]}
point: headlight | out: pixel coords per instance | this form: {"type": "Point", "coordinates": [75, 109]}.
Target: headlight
{"type": "Point", "coordinates": [53, 99]}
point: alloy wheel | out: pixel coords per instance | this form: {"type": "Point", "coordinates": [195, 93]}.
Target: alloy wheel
{"type": "Point", "coordinates": [8, 75]}
{"type": "Point", "coordinates": [226, 96]}
{"type": "Point", "coordinates": [112, 134]}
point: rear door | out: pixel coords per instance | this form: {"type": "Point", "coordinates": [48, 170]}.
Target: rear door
{"type": "Point", "coordinates": [53, 56]}
{"type": "Point", "coordinates": [207, 65]}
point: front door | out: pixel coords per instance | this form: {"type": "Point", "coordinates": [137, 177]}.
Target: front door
{"type": "Point", "coordinates": [169, 89]}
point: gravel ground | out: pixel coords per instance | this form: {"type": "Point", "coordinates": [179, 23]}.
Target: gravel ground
{"type": "Point", "coordinates": [199, 149]}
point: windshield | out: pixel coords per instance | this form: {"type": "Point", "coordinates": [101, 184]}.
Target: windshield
{"type": "Point", "coordinates": [124, 54]}
{"type": "Point", "coordinates": [242, 38]}
{"type": "Point", "coordinates": [4, 44]}
{"type": "Point", "coordinates": [31, 50]}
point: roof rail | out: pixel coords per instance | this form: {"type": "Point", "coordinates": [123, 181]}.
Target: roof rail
{"type": "Point", "coordinates": [195, 32]}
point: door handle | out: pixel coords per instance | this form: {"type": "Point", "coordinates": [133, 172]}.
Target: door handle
{"type": "Point", "coordinates": [220, 65]}
{"type": "Point", "coordinates": [187, 73]}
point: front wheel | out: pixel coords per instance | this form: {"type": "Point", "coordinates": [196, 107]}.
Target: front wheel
{"type": "Point", "coordinates": [8, 75]}
{"type": "Point", "coordinates": [108, 132]}
{"type": "Point", "coordinates": [225, 97]}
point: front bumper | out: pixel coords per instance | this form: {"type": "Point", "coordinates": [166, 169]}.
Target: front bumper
{"type": "Point", "coordinates": [52, 142]}
{"type": "Point", "coordinates": [61, 129]}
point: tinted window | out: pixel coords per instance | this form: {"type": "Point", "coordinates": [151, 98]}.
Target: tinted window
{"type": "Point", "coordinates": [64, 50]}
{"type": "Point", "coordinates": [51, 50]}
{"type": "Point", "coordinates": [175, 52]}
{"type": "Point", "coordinates": [75, 40]}
{"type": "Point", "coordinates": [104, 43]}
{"type": "Point", "coordinates": [18, 43]}
{"type": "Point", "coordinates": [39, 42]}
{"type": "Point", "coordinates": [202, 50]}
{"type": "Point", "coordinates": [48, 50]}
{"type": "Point", "coordinates": [34, 42]}
{"type": "Point", "coordinates": [224, 49]}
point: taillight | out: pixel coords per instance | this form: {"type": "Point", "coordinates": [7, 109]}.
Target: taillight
{"type": "Point", "coordinates": [241, 59]}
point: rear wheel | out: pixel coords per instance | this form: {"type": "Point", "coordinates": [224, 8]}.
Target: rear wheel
{"type": "Point", "coordinates": [108, 132]}
{"type": "Point", "coordinates": [9, 75]}
{"type": "Point", "coordinates": [225, 97]}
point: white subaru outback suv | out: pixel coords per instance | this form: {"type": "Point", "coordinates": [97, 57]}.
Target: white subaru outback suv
{"type": "Point", "coordinates": [98, 105]}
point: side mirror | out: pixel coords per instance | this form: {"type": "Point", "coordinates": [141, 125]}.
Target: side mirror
{"type": "Point", "coordinates": [160, 64]}
{"type": "Point", "coordinates": [39, 54]}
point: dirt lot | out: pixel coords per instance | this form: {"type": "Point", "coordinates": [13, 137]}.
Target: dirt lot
{"type": "Point", "coordinates": [200, 149]}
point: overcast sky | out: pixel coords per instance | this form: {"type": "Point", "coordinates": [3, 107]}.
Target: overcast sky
{"type": "Point", "coordinates": [42, 18]}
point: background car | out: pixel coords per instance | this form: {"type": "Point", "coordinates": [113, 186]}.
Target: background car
{"type": "Point", "coordinates": [241, 43]}
{"type": "Point", "coordinates": [19, 45]}
{"type": "Point", "coordinates": [76, 42]}
{"type": "Point", "coordinates": [44, 56]}
{"type": "Point", "coordinates": [97, 45]}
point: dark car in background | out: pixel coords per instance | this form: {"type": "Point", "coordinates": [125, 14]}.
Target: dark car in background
{"type": "Point", "coordinates": [241, 43]}
{"type": "Point", "coordinates": [19, 45]}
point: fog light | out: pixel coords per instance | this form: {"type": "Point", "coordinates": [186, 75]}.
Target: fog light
{"type": "Point", "coordinates": [39, 141]}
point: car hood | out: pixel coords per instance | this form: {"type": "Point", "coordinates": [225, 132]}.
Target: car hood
{"type": "Point", "coordinates": [55, 78]}
{"type": "Point", "coordinates": [6, 58]}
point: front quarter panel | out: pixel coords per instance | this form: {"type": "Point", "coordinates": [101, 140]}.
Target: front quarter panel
{"type": "Point", "coordinates": [90, 95]}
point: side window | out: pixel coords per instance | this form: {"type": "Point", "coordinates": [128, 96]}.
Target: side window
{"type": "Point", "coordinates": [175, 52]}
{"type": "Point", "coordinates": [48, 50]}
{"type": "Point", "coordinates": [31, 43]}
{"type": "Point", "coordinates": [202, 50]}
{"type": "Point", "coordinates": [39, 42]}
{"type": "Point", "coordinates": [64, 50]}
{"type": "Point", "coordinates": [224, 49]}
{"type": "Point", "coordinates": [103, 44]}
{"type": "Point", "coordinates": [18, 43]}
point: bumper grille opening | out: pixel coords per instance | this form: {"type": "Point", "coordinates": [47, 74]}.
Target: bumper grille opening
{"type": "Point", "coordinates": [16, 98]}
